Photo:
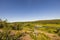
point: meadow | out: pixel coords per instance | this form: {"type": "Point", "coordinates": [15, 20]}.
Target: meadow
{"type": "Point", "coordinates": [35, 30]}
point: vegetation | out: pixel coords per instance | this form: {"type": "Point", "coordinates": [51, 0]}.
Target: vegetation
{"type": "Point", "coordinates": [15, 30]}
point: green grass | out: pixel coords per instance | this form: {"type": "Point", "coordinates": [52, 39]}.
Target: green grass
{"type": "Point", "coordinates": [47, 26]}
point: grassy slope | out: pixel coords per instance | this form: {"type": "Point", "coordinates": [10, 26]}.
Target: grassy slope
{"type": "Point", "coordinates": [48, 26]}
{"type": "Point", "coordinates": [55, 22]}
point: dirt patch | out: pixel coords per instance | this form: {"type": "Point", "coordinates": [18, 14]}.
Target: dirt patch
{"type": "Point", "coordinates": [25, 37]}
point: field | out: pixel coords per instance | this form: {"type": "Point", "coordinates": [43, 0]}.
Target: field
{"type": "Point", "coordinates": [36, 30]}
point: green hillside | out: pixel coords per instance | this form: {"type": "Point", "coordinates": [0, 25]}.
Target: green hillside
{"type": "Point", "coordinates": [33, 30]}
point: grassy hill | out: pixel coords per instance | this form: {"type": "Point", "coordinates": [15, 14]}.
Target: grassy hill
{"type": "Point", "coordinates": [55, 21]}
{"type": "Point", "coordinates": [33, 30]}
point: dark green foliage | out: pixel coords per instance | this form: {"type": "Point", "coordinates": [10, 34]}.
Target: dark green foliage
{"type": "Point", "coordinates": [17, 27]}
{"type": "Point", "coordinates": [57, 31]}
{"type": "Point", "coordinates": [1, 26]}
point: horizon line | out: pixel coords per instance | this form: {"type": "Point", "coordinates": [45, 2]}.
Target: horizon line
{"type": "Point", "coordinates": [33, 20]}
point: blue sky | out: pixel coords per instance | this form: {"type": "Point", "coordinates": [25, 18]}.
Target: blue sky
{"type": "Point", "coordinates": [27, 10]}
